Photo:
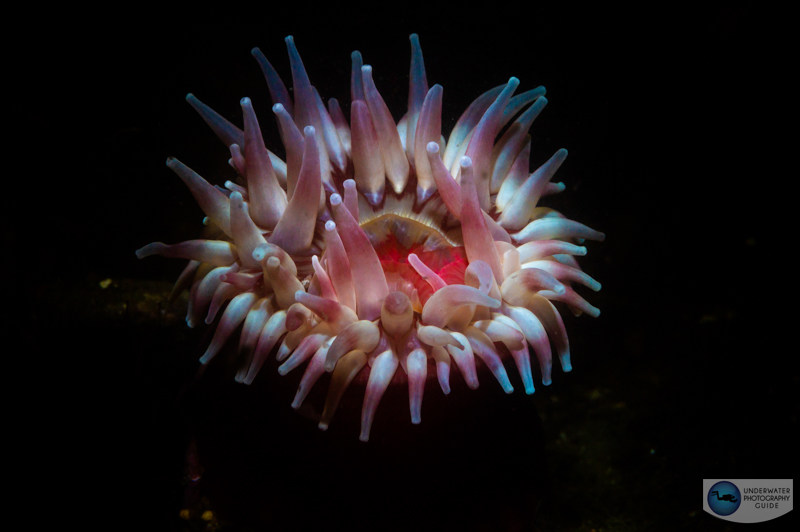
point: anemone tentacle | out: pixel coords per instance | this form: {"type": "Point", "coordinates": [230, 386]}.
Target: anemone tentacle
{"type": "Point", "coordinates": [379, 244]}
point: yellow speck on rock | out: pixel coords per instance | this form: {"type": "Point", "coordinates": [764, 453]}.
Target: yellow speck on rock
{"type": "Point", "coordinates": [208, 515]}
{"type": "Point", "coordinates": [105, 283]}
{"type": "Point", "coordinates": [185, 514]}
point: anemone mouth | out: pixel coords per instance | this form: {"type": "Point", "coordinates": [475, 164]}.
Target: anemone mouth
{"type": "Point", "coordinates": [410, 231]}
{"type": "Point", "coordinates": [379, 252]}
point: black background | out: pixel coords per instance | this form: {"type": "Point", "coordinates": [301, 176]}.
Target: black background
{"type": "Point", "coordinates": [661, 112]}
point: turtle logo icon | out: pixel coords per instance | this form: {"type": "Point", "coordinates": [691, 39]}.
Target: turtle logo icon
{"type": "Point", "coordinates": [724, 498]}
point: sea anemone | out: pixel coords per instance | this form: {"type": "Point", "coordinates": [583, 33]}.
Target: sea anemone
{"type": "Point", "coordinates": [321, 261]}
